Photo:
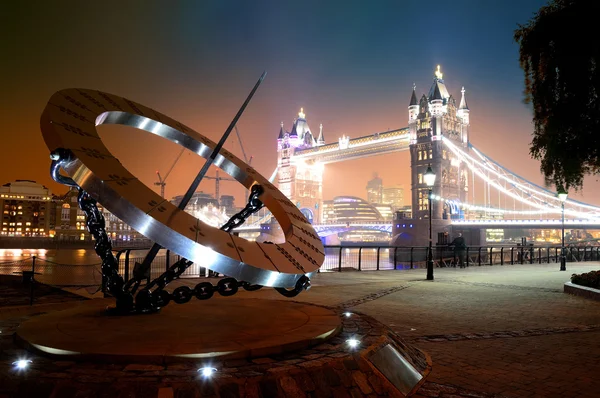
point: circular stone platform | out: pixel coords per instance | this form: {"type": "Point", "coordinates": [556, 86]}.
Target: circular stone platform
{"type": "Point", "coordinates": [222, 328]}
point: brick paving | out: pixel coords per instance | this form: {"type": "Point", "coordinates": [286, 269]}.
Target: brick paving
{"type": "Point", "coordinates": [490, 331]}
{"type": "Point", "coordinates": [14, 293]}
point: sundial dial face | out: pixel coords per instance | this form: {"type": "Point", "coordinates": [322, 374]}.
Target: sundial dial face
{"type": "Point", "coordinates": [69, 121]}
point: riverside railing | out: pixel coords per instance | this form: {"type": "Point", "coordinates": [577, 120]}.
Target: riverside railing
{"type": "Point", "coordinates": [337, 259]}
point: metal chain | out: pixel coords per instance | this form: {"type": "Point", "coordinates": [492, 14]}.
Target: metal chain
{"type": "Point", "coordinates": [96, 226]}
{"type": "Point", "coordinates": [254, 204]}
{"type": "Point", "coordinates": [147, 300]}
{"type": "Point", "coordinates": [152, 300]}
{"type": "Point", "coordinates": [110, 266]}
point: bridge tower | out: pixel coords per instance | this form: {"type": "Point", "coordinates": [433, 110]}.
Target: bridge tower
{"type": "Point", "coordinates": [301, 181]}
{"type": "Point", "coordinates": [429, 119]}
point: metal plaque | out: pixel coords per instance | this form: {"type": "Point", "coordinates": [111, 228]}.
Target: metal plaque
{"type": "Point", "coordinates": [395, 368]}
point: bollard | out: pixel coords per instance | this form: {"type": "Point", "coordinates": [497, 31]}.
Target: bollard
{"type": "Point", "coordinates": [359, 258]}
{"type": "Point", "coordinates": [32, 281]}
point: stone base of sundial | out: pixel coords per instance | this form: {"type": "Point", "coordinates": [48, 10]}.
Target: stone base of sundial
{"type": "Point", "coordinates": [259, 348]}
{"type": "Point", "coordinates": [224, 329]}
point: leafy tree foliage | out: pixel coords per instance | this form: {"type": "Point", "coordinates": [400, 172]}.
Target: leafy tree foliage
{"type": "Point", "coordinates": [559, 53]}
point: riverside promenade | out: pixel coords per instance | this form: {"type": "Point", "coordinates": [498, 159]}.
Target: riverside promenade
{"type": "Point", "coordinates": [491, 331]}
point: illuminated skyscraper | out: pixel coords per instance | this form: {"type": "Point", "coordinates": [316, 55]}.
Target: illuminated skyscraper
{"type": "Point", "coordinates": [393, 196]}
{"type": "Point", "coordinates": [375, 190]}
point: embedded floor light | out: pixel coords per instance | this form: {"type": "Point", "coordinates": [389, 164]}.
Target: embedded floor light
{"type": "Point", "coordinates": [353, 343]}
{"type": "Point", "coordinates": [207, 371]}
{"type": "Point", "coordinates": [22, 364]}
{"type": "Point", "coordinates": [347, 314]}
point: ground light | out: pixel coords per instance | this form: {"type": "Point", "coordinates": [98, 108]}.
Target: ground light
{"type": "Point", "coordinates": [22, 364]}
{"type": "Point", "coordinates": [207, 371]}
{"type": "Point", "coordinates": [353, 343]}
{"type": "Point", "coordinates": [347, 314]}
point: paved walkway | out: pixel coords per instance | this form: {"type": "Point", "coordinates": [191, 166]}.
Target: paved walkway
{"type": "Point", "coordinates": [503, 331]}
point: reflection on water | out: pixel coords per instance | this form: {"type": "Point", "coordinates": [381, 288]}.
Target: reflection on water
{"type": "Point", "coordinates": [62, 256]}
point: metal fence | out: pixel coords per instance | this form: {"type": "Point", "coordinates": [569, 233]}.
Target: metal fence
{"type": "Point", "coordinates": [362, 258]}
{"type": "Point", "coordinates": [337, 259]}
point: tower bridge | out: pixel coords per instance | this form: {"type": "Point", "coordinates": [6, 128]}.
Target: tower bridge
{"type": "Point", "coordinates": [437, 136]}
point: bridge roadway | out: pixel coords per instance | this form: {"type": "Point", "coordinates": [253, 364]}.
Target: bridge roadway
{"type": "Point", "coordinates": [328, 229]}
{"type": "Point", "coordinates": [356, 148]}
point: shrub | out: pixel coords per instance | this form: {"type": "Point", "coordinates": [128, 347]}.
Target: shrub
{"type": "Point", "coordinates": [589, 279]}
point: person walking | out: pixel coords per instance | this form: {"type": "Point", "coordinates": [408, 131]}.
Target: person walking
{"type": "Point", "coordinates": [460, 247]}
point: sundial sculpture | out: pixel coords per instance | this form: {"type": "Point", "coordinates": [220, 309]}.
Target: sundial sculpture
{"type": "Point", "coordinates": [68, 125]}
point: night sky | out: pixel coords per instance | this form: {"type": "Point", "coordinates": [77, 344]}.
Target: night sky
{"type": "Point", "coordinates": [350, 65]}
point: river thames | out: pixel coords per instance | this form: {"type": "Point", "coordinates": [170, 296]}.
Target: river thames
{"type": "Point", "coordinates": [82, 267]}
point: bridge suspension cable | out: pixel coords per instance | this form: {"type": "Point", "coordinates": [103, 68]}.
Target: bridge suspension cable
{"type": "Point", "coordinates": [517, 187]}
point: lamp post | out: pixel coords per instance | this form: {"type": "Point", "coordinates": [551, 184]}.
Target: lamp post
{"type": "Point", "coordinates": [562, 195]}
{"type": "Point", "coordinates": [429, 178]}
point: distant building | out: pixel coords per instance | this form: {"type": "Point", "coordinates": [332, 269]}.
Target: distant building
{"type": "Point", "coordinates": [375, 190]}
{"type": "Point", "coordinates": [205, 207]}
{"type": "Point", "coordinates": [198, 201]}
{"type": "Point", "coordinates": [228, 204]}
{"type": "Point", "coordinates": [349, 210]}
{"type": "Point", "coordinates": [386, 211]}
{"type": "Point", "coordinates": [26, 209]}
{"type": "Point", "coordinates": [393, 196]}
{"type": "Point", "coordinates": [302, 183]}
{"type": "Point", "coordinates": [329, 216]}
{"type": "Point", "coordinates": [70, 221]}
{"type": "Point", "coordinates": [30, 210]}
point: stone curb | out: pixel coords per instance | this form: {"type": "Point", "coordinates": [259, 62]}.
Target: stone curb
{"type": "Point", "coordinates": [582, 291]}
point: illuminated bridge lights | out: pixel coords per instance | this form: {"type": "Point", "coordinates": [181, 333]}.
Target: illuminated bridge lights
{"type": "Point", "coordinates": [499, 223]}
{"type": "Point", "coordinates": [533, 195]}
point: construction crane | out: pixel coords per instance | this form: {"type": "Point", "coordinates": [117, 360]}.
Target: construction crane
{"type": "Point", "coordinates": [217, 182]}
{"type": "Point", "coordinates": [162, 181]}
{"type": "Point", "coordinates": [242, 145]}
{"type": "Point", "coordinates": [218, 179]}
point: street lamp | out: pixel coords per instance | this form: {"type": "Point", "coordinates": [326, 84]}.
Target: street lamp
{"type": "Point", "coordinates": [429, 178]}
{"type": "Point", "coordinates": [562, 195]}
